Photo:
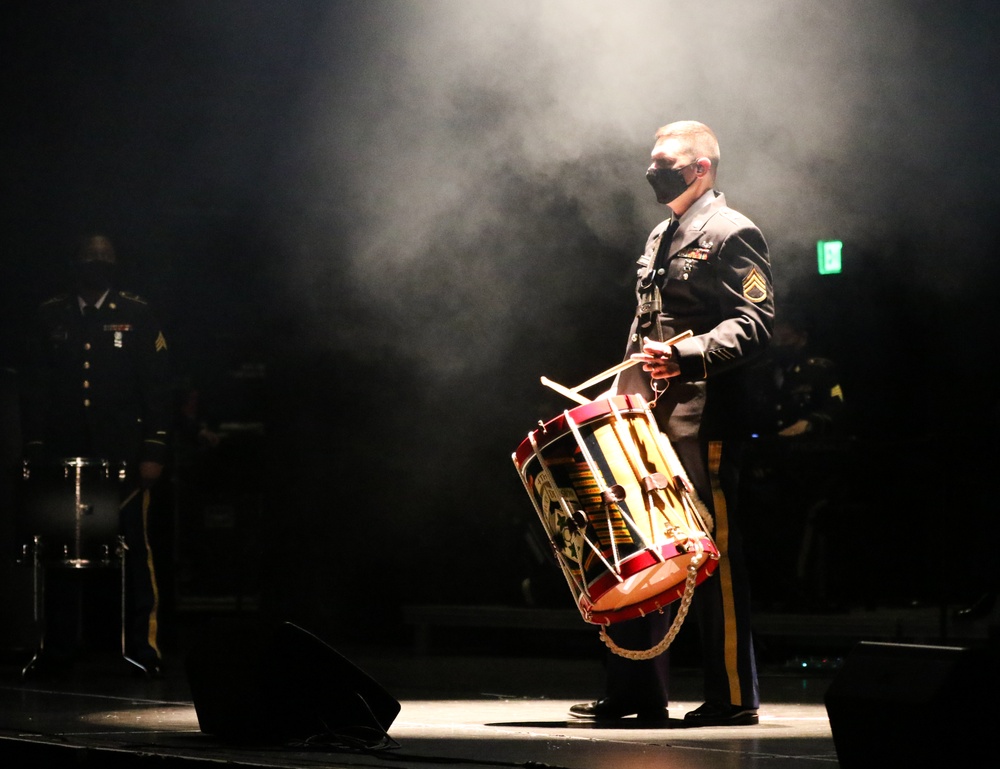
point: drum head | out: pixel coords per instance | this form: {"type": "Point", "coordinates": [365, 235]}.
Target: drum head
{"type": "Point", "coordinates": [650, 585]}
{"type": "Point", "coordinates": [72, 507]}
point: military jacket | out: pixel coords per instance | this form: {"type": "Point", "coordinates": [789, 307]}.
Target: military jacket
{"type": "Point", "coordinates": [98, 386]}
{"type": "Point", "coordinates": [712, 277]}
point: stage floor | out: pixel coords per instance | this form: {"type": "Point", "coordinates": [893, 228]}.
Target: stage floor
{"type": "Point", "coordinates": [483, 709]}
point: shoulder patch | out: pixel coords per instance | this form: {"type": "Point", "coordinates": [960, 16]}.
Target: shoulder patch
{"type": "Point", "coordinates": [755, 287]}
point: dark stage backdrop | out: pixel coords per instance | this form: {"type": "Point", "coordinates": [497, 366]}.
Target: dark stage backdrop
{"type": "Point", "coordinates": [370, 228]}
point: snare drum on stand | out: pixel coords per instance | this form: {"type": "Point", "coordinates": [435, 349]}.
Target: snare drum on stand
{"type": "Point", "coordinates": [68, 519]}
{"type": "Point", "coordinates": [69, 512]}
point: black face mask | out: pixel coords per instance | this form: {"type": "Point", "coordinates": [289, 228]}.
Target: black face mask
{"type": "Point", "coordinates": [667, 183]}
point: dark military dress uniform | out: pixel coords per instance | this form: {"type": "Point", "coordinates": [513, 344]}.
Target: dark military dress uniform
{"type": "Point", "coordinates": [793, 480]}
{"type": "Point", "coordinates": [708, 273]}
{"type": "Point", "coordinates": [808, 388]}
{"type": "Point", "coordinates": [99, 387]}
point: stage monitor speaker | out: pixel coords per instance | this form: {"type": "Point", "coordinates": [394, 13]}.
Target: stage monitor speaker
{"type": "Point", "coordinates": [912, 705]}
{"type": "Point", "coordinates": [282, 684]}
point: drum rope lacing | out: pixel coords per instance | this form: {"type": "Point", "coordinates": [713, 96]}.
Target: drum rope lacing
{"type": "Point", "coordinates": [675, 626]}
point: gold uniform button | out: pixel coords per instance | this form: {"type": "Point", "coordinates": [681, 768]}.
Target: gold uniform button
{"type": "Point", "coordinates": [86, 346]}
{"type": "Point", "coordinates": [86, 364]}
{"type": "Point", "coordinates": [86, 385]}
{"type": "Point", "coordinates": [86, 402]}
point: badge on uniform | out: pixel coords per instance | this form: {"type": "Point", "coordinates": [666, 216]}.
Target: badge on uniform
{"type": "Point", "coordinates": [755, 287]}
{"type": "Point", "coordinates": [700, 254]}
{"type": "Point", "coordinates": [118, 339]}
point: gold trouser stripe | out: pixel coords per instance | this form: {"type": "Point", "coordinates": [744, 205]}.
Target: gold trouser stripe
{"type": "Point", "coordinates": [725, 570]}
{"type": "Point", "coordinates": [152, 573]}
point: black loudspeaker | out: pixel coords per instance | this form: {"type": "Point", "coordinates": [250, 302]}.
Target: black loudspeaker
{"type": "Point", "coordinates": [913, 706]}
{"type": "Point", "coordinates": [282, 684]}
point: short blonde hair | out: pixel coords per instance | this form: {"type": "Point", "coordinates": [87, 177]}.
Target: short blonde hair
{"type": "Point", "coordinates": [697, 138]}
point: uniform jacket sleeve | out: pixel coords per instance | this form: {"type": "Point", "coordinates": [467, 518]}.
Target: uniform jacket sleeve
{"type": "Point", "coordinates": [155, 384]}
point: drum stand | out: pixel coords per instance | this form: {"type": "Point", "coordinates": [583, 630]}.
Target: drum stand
{"type": "Point", "coordinates": [39, 567]}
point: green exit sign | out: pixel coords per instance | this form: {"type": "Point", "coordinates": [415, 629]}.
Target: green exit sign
{"type": "Point", "coordinates": [828, 254]}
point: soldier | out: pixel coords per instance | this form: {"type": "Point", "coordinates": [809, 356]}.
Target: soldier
{"type": "Point", "coordinates": [808, 397]}
{"type": "Point", "coordinates": [796, 460]}
{"type": "Point", "coordinates": [705, 270]}
{"type": "Point", "coordinates": [99, 387]}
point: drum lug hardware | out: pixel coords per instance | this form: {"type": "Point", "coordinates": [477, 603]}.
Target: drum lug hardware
{"type": "Point", "coordinates": [612, 494]}
{"type": "Point", "coordinates": [655, 481]}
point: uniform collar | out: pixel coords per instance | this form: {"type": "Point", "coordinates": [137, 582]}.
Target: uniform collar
{"type": "Point", "coordinates": [98, 304]}
{"type": "Point", "coordinates": [699, 208]}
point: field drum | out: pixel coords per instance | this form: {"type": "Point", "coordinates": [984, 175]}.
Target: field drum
{"type": "Point", "coordinates": [623, 520]}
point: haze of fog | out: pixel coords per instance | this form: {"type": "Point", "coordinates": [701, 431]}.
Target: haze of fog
{"type": "Point", "coordinates": [467, 151]}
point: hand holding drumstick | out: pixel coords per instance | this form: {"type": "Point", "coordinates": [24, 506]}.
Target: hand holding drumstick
{"type": "Point", "coordinates": [657, 358]}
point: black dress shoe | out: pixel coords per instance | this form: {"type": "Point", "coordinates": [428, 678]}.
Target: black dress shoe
{"type": "Point", "coordinates": [721, 715]}
{"type": "Point", "coordinates": [149, 667]}
{"type": "Point", "coordinates": [611, 710]}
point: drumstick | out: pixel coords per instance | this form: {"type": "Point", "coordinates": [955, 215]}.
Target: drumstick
{"type": "Point", "coordinates": [610, 372]}
{"type": "Point", "coordinates": [571, 394]}
{"type": "Point", "coordinates": [624, 365]}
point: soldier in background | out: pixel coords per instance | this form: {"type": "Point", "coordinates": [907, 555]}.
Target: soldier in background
{"type": "Point", "coordinates": [808, 398]}
{"type": "Point", "coordinates": [793, 468]}
{"type": "Point", "coordinates": [98, 386]}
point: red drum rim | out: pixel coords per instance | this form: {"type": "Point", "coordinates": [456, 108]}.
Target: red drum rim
{"type": "Point", "coordinates": [557, 427]}
{"type": "Point", "coordinates": [636, 565]}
